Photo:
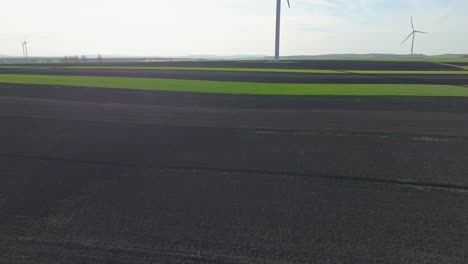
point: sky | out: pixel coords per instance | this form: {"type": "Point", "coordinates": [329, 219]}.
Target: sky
{"type": "Point", "coordinates": [230, 27]}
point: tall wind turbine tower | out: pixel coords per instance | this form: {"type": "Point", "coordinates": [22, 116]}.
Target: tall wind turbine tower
{"type": "Point", "coordinates": [24, 52]}
{"type": "Point", "coordinates": [413, 34]}
{"type": "Point", "coordinates": [24, 44]}
{"type": "Point", "coordinates": [278, 29]}
{"type": "Point", "coordinates": [27, 52]}
{"type": "Point", "coordinates": [26, 49]}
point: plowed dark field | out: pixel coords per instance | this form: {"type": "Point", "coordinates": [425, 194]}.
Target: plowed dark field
{"type": "Point", "coordinates": [460, 63]}
{"type": "Point", "coordinates": [93, 175]}
{"type": "Point", "coordinates": [304, 64]}
{"type": "Point", "coordinates": [260, 77]}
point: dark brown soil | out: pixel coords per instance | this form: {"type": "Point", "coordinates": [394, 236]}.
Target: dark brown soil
{"type": "Point", "coordinates": [233, 101]}
{"type": "Point", "coordinates": [304, 64]}
{"type": "Point", "coordinates": [460, 63]}
{"type": "Point", "coordinates": [114, 176]}
{"type": "Point", "coordinates": [260, 77]}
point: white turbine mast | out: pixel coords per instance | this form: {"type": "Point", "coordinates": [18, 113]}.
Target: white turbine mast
{"type": "Point", "coordinates": [26, 49]}
{"type": "Point", "coordinates": [413, 34]}
{"type": "Point", "coordinates": [278, 29]}
{"type": "Point", "coordinates": [24, 45]}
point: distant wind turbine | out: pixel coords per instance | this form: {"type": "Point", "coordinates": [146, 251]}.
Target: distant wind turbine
{"type": "Point", "coordinates": [413, 33]}
{"type": "Point", "coordinates": [26, 49]}
{"type": "Point", "coordinates": [24, 44]}
{"type": "Point", "coordinates": [278, 29]}
{"type": "Point", "coordinates": [24, 52]}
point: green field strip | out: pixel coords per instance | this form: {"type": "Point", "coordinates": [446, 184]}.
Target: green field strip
{"type": "Point", "coordinates": [435, 60]}
{"type": "Point", "coordinates": [237, 87]}
{"type": "Point", "coordinates": [372, 72]}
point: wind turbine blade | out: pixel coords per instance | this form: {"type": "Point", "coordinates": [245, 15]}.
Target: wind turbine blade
{"type": "Point", "coordinates": [407, 38]}
{"type": "Point", "coordinates": [289, 4]}
{"type": "Point", "coordinates": [412, 25]}
{"type": "Point", "coordinates": [421, 32]}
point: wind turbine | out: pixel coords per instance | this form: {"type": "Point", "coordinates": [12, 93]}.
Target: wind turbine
{"type": "Point", "coordinates": [278, 29]}
{"type": "Point", "coordinates": [26, 49]}
{"type": "Point", "coordinates": [413, 33]}
{"type": "Point", "coordinates": [24, 44]}
{"type": "Point", "coordinates": [24, 52]}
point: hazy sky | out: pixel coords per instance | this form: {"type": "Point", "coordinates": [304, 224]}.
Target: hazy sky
{"type": "Point", "coordinates": [228, 27]}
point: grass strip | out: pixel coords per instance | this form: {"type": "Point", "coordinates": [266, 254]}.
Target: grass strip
{"type": "Point", "coordinates": [435, 60]}
{"type": "Point", "coordinates": [238, 87]}
{"type": "Point", "coordinates": [409, 72]}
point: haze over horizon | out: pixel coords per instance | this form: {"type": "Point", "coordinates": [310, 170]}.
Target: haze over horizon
{"type": "Point", "coordinates": [230, 27]}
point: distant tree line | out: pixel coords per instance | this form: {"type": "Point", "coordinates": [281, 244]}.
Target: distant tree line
{"type": "Point", "coordinates": [17, 60]}
{"type": "Point", "coordinates": [76, 59]}
{"type": "Point", "coordinates": [71, 59]}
